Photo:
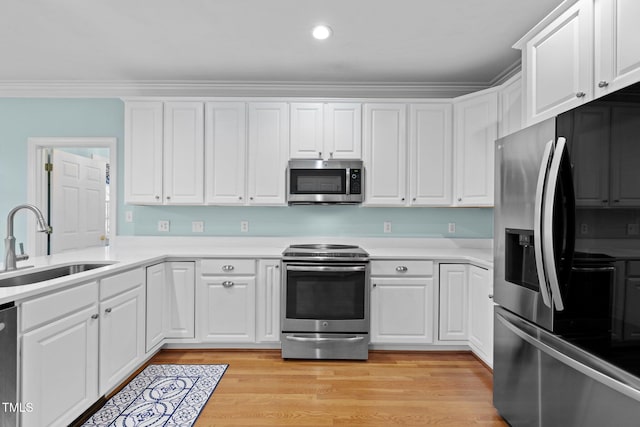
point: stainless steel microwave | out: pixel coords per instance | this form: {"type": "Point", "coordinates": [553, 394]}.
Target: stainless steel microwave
{"type": "Point", "coordinates": [325, 181]}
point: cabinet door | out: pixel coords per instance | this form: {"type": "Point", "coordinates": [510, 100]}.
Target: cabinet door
{"type": "Point", "coordinates": [268, 153]}
{"type": "Point", "coordinates": [180, 300]}
{"type": "Point", "coordinates": [155, 305]}
{"type": "Point", "coordinates": [342, 131]}
{"type": "Point", "coordinates": [122, 337]}
{"type": "Point", "coordinates": [307, 131]}
{"type": "Point", "coordinates": [481, 313]}
{"type": "Point", "coordinates": [625, 152]}
{"type": "Point", "coordinates": [402, 310]}
{"type": "Point", "coordinates": [476, 126]}
{"type": "Point", "coordinates": [225, 152]}
{"type": "Point", "coordinates": [453, 302]}
{"type": "Point", "coordinates": [385, 152]}
{"type": "Point", "coordinates": [268, 301]}
{"type": "Point", "coordinates": [430, 158]}
{"type": "Point", "coordinates": [60, 369]}
{"type": "Point", "coordinates": [228, 309]}
{"type": "Point", "coordinates": [559, 64]}
{"type": "Point", "coordinates": [143, 152]}
{"type": "Point", "coordinates": [617, 62]}
{"type": "Point", "coordinates": [510, 106]}
{"type": "Point", "coordinates": [183, 152]}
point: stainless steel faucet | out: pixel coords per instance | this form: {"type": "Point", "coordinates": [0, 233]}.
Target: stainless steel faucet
{"type": "Point", "coordinates": [10, 257]}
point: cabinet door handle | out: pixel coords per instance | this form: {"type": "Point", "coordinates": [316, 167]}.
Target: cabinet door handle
{"type": "Point", "coordinates": [227, 284]}
{"type": "Point", "coordinates": [319, 154]}
{"type": "Point", "coordinates": [157, 197]}
{"type": "Point", "coordinates": [228, 267]}
{"type": "Point", "coordinates": [374, 285]}
{"type": "Point", "coordinates": [107, 310]}
{"type": "Point", "coordinates": [580, 95]}
{"type": "Point", "coordinates": [95, 316]}
{"type": "Point", "coordinates": [168, 197]}
{"type": "Point", "coordinates": [603, 83]}
{"type": "Point", "coordinates": [490, 296]}
{"type": "Point", "coordinates": [401, 269]}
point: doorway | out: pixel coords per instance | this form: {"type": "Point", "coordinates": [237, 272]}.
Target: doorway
{"type": "Point", "coordinates": [77, 194]}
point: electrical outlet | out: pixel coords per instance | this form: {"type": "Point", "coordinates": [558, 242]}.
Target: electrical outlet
{"type": "Point", "coordinates": [128, 216]}
{"type": "Point", "coordinates": [584, 228]}
{"type": "Point", "coordinates": [244, 226]}
{"type": "Point", "coordinates": [632, 229]}
{"type": "Point", "coordinates": [452, 227]}
{"type": "Point", "coordinates": [197, 226]}
{"type": "Point", "coordinates": [387, 227]}
{"type": "Point", "coordinates": [163, 225]}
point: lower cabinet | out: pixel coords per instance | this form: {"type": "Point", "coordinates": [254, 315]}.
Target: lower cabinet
{"type": "Point", "coordinates": [453, 302]}
{"type": "Point", "coordinates": [268, 301]}
{"type": "Point", "coordinates": [59, 361]}
{"type": "Point", "coordinates": [227, 303]}
{"type": "Point", "coordinates": [481, 313]}
{"type": "Point", "coordinates": [402, 302]}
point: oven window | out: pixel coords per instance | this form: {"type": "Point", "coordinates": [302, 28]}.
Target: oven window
{"type": "Point", "coordinates": [325, 295]}
{"type": "Point", "coordinates": [318, 181]}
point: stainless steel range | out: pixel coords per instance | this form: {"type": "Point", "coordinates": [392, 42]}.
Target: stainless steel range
{"type": "Point", "coordinates": [325, 302]}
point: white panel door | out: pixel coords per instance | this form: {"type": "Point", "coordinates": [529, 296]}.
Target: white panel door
{"type": "Point", "coordinates": [268, 301]}
{"type": "Point", "coordinates": [143, 152]}
{"type": "Point", "coordinates": [155, 305]}
{"type": "Point", "coordinates": [183, 152]}
{"type": "Point", "coordinates": [342, 130]}
{"type": "Point", "coordinates": [510, 105]}
{"type": "Point", "coordinates": [77, 199]}
{"type": "Point", "coordinates": [453, 302]}
{"type": "Point", "coordinates": [225, 153]}
{"type": "Point", "coordinates": [307, 130]}
{"type": "Point", "coordinates": [268, 152]}
{"type": "Point", "coordinates": [385, 151]}
{"type": "Point", "coordinates": [228, 309]}
{"type": "Point", "coordinates": [430, 158]}
{"type": "Point", "coordinates": [481, 313]}
{"type": "Point", "coordinates": [180, 300]}
{"type": "Point", "coordinates": [617, 49]}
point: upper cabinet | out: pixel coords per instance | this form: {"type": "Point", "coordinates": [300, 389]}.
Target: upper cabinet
{"type": "Point", "coordinates": [164, 147]}
{"type": "Point", "coordinates": [475, 133]}
{"type": "Point", "coordinates": [326, 130]}
{"type": "Point", "coordinates": [510, 106]}
{"type": "Point", "coordinates": [586, 50]}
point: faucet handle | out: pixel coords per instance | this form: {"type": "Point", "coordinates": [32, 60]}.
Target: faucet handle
{"type": "Point", "coordinates": [22, 256]}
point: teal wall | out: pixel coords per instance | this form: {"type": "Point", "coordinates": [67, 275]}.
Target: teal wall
{"type": "Point", "coordinates": [21, 118]}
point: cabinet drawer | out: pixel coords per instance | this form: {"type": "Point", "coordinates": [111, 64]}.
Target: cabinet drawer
{"type": "Point", "coordinates": [122, 282]}
{"type": "Point", "coordinates": [402, 268]}
{"type": "Point", "coordinates": [42, 310]}
{"type": "Point", "coordinates": [229, 266]}
{"type": "Point", "coordinates": [633, 268]}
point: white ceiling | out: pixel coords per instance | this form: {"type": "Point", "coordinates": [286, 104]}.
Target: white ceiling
{"type": "Point", "coordinates": [375, 42]}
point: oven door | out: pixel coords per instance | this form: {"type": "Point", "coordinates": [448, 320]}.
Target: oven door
{"type": "Point", "coordinates": [330, 298]}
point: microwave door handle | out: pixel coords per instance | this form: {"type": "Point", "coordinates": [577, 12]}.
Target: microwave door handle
{"type": "Point", "coordinates": [537, 224]}
{"type": "Point", "coordinates": [547, 224]}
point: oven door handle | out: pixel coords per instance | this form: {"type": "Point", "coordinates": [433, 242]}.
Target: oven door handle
{"type": "Point", "coordinates": [323, 339]}
{"type": "Point", "coordinates": [326, 268]}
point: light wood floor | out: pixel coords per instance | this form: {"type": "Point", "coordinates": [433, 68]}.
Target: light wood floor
{"type": "Point", "coordinates": [391, 388]}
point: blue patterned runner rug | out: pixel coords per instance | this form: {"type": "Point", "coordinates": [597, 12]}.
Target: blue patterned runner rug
{"type": "Point", "coordinates": [161, 395]}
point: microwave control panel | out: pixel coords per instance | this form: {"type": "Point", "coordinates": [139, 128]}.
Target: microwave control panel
{"type": "Point", "coordinates": [355, 184]}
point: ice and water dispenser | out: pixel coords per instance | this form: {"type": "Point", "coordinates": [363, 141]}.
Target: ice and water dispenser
{"type": "Point", "coordinates": [520, 261]}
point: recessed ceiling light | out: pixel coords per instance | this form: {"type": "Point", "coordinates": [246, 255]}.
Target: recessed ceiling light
{"type": "Point", "coordinates": [321, 32]}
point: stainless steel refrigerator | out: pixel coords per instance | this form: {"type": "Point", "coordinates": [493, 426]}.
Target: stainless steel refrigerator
{"type": "Point", "coordinates": [567, 268]}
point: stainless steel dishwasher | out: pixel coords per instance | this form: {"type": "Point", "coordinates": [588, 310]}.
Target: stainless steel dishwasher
{"type": "Point", "coordinates": [8, 365]}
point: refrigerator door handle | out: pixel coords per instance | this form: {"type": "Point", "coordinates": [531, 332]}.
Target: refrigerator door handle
{"type": "Point", "coordinates": [537, 223]}
{"type": "Point", "coordinates": [587, 365]}
{"type": "Point", "coordinates": [547, 223]}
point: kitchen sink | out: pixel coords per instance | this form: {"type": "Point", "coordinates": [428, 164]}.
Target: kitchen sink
{"type": "Point", "coordinates": [50, 273]}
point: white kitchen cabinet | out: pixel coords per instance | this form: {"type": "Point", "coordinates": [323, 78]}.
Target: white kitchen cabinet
{"type": "Point", "coordinates": [59, 348]}
{"type": "Point", "coordinates": [164, 149]}
{"type": "Point", "coordinates": [475, 133]}
{"type": "Point", "coordinates": [617, 52]}
{"type": "Point", "coordinates": [268, 301]}
{"type": "Point", "coordinates": [180, 299]}
{"type": "Point", "coordinates": [510, 106]}
{"type": "Point", "coordinates": [326, 130]}
{"type": "Point", "coordinates": [402, 304]}
{"type": "Point", "coordinates": [122, 327]}
{"type": "Point", "coordinates": [385, 152]}
{"type": "Point", "coordinates": [143, 136]}
{"type": "Point", "coordinates": [430, 161]}
{"type": "Point", "coordinates": [225, 153]}
{"type": "Point", "coordinates": [155, 305]}
{"type": "Point", "coordinates": [268, 152]}
{"type": "Point", "coordinates": [227, 301]}
{"type": "Point", "coordinates": [481, 313]}
{"type": "Point", "coordinates": [454, 297]}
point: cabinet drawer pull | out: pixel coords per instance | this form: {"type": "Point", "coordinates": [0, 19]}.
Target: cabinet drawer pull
{"type": "Point", "coordinates": [401, 269]}
{"type": "Point", "coordinates": [95, 316]}
{"type": "Point", "coordinates": [227, 284]}
{"type": "Point", "coordinates": [107, 310]}
{"type": "Point", "coordinates": [228, 267]}
{"type": "Point", "coordinates": [603, 83]}
{"type": "Point", "coordinates": [580, 95]}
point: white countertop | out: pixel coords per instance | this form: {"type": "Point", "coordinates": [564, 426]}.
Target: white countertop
{"type": "Point", "coordinates": [130, 252]}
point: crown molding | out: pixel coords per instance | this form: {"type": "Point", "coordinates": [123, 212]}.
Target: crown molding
{"type": "Point", "coordinates": [119, 89]}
